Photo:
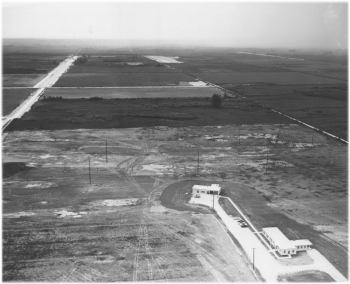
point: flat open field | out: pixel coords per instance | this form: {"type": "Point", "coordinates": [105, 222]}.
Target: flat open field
{"type": "Point", "coordinates": [51, 113]}
{"type": "Point", "coordinates": [132, 93]}
{"type": "Point", "coordinates": [160, 78]}
{"type": "Point", "coordinates": [29, 63]}
{"type": "Point", "coordinates": [310, 86]}
{"type": "Point", "coordinates": [307, 276]}
{"type": "Point", "coordinates": [331, 66]}
{"type": "Point", "coordinates": [323, 107]}
{"type": "Point", "coordinates": [21, 80]}
{"type": "Point", "coordinates": [128, 218]}
{"type": "Point", "coordinates": [27, 69]}
{"type": "Point", "coordinates": [11, 98]}
{"type": "Point", "coordinates": [58, 227]}
{"type": "Point", "coordinates": [280, 77]}
{"type": "Point", "coordinates": [53, 188]}
{"type": "Point", "coordinates": [121, 70]}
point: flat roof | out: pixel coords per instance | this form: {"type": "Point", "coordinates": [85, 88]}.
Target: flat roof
{"type": "Point", "coordinates": [302, 242]}
{"type": "Point", "coordinates": [278, 237]}
{"type": "Point", "coordinates": [282, 241]}
{"type": "Point", "coordinates": [213, 187]}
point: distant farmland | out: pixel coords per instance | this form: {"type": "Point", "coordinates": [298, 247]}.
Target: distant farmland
{"type": "Point", "coordinates": [265, 77]}
{"type": "Point", "coordinates": [161, 78]}
{"type": "Point", "coordinates": [54, 113]}
{"type": "Point", "coordinates": [27, 69]}
{"type": "Point", "coordinates": [121, 70]}
{"type": "Point", "coordinates": [130, 92]}
{"type": "Point", "coordinates": [13, 97]}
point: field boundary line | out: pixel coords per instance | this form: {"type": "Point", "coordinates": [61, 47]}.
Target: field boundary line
{"type": "Point", "coordinates": [130, 87]}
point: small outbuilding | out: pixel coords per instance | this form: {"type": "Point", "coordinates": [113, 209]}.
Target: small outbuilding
{"type": "Point", "coordinates": [214, 189]}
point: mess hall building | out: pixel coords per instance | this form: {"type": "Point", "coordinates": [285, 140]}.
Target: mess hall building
{"type": "Point", "coordinates": [214, 189]}
{"type": "Point", "coordinates": [282, 244]}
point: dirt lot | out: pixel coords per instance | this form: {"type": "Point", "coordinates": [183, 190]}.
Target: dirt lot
{"type": "Point", "coordinates": [303, 189]}
{"type": "Point", "coordinates": [58, 227]}
{"type": "Point", "coordinates": [127, 93]}
{"type": "Point", "coordinates": [11, 98]}
{"type": "Point", "coordinates": [54, 113]}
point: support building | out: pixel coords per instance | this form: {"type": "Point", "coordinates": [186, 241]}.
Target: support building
{"type": "Point", "coordinates": [206, 189]}
{"type": "Point", "coordinates": [282, 244]}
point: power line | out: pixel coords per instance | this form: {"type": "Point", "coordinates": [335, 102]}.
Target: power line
{"type": "Point", "coordinates": [197, 162]}
{"type": "Point", "coordinates": [89, 171]}
{"type": "Point", "coordinates": [106, 152]}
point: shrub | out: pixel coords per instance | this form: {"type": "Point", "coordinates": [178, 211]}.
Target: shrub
{"type": "Point", "coordinates": [81, 60]}
{"type": "Point", "coordinates": [216, 101]}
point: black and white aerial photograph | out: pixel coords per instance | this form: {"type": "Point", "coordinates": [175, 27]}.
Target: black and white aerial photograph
{"type": "Point", "coordinates": [174, 141]}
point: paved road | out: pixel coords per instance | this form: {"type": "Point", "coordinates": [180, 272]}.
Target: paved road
{"type": "Point", "coordinates": [268, 266]}
{"type": "Point", "coordinates": [50, 79]}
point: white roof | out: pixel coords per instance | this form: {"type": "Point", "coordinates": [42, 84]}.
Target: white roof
{"type": "Point", "coordinates": [282, 241]}
{"type": "Point", "coordinates": [303, 242]}
{"type": "Point", "coordinates": [213, 187]}
{"type": "Point", "coordinates": [278, 238]}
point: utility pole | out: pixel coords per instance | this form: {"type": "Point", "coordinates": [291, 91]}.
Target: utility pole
{"type": "Point", "coordinates": [106, 152]}
{"type": "Point", "coordinates": [197, 162]}
{"type": "Point", "coordinates": [213, 200]}
{"type": "Point", "coordinates": [253, 258]}
{"type": "Point", "coordinates": [239, 135]}
{"type": "Point", "coordinates": [89, 171]}
{"type": "Point", "coordinates": [267, 158]}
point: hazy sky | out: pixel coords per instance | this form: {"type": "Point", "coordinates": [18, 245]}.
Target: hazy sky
{"type": "Point", "coordinates": [320, 25]}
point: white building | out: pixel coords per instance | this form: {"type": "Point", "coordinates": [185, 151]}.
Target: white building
{"type": "Point", "coordinates": [206, 189]}
{"type": "Point", "coordinates": [282, 244]}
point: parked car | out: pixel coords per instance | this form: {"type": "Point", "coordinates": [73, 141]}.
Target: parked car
{"type": "Point", "coordinates": [238, 219]}
{"type": "Point", "coordinates": [243, 224]}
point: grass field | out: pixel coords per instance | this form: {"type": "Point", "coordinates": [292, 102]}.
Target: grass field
{"type": "Point", "coordinates": [307, 276]}
{"type": "Point", "coordinates": [11, 98]}
{"type": "Point", "coordinates": [312, 88]}
{"type": "Point", "coordinates": [119, 71]}
{"type": "Point", "coordinates": [129, 92]}
{"type": "Point", "coordinates": [280, 78]}
{"type": "Point", "coordinates": [321, 106]}
{"type": "Point", "coordinates": [160, 78]}
{"type": "Point", "coordinates": [331, 66]}
{"type": "Point", "coordinates": [29, 63]}
{"type": "Point", "coordinates": [21, 80]}
{"type": "Point", "coordinates": [25, 69]}
{"type": "Point", "coordinates": [98, 113]}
